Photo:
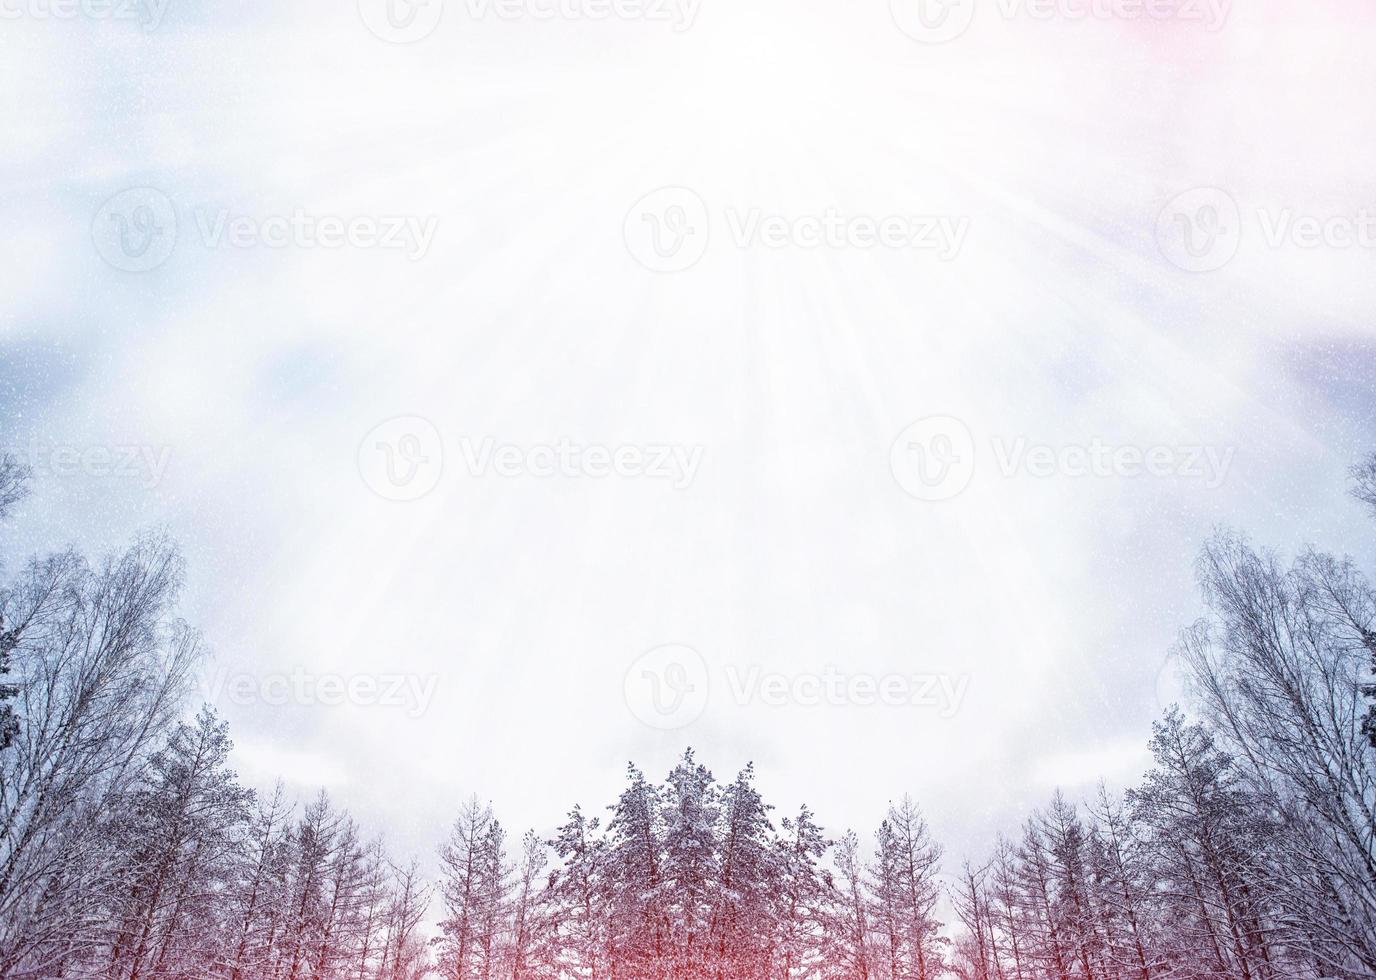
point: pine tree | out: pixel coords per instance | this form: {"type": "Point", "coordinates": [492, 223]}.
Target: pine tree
{"type": "Point", "coordinates": [1006, 913]}
{"type": "Point", "coordinates": [1124, 888]}
{"type": "Point", "coordinates": [1044, 928]}
{"type": "Point", "coordinates": [851, 954]}
{"type": "Point", "coordinates": [580, 896]}
{"type": "Point", "coordinates": [1199, 820]}
{"type": "Point", "coordinates": [976, 955]}
{"type": "Point", "coordinates": [905, 891]}
{"type": "Point", "coordinates": [804, 898]}
{"type": "Point", "coordinates": [531, 942]}
{"type": "Point", "coordinates": [474, 891]}
{"type": "Point", "coordinates": [638, 923]}
{"type": "Point", "coordinates": [177, 833]}
{"type": "Point", "coordinates": [743, 926]}
{"type": "Point", "coordinates": [256, 897]}
{"type": "Point", "coordinates": [404, 952]}
{"type": "Point", "coordinates": [1064, 834]}
{"type": "Point", "coordinates": [689, 870]}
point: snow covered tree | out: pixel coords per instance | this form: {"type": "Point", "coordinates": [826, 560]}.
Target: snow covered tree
{"type": "Point", "coordinates": [689, 869]}
{"type": "Point", "coordinates": [532, 948]}
{"type": "Point", "coordinates": [804, 897]}
{"type": "Point", "coordinates": [905, 893]}
{"type": "Point", "coordinates": [102, 670]}
{"type": "Point", "coordinates": [1280, 666]}
{"type": "Point", "coordinates": [638, 926]}
{"type": "Point", "coordinates": [475, 890]}
{"type": "Point", "coordinates": [404, 955]}
{"type": "Point", "coordinates": [1006, 915]}
{"type": "Point", "coordinates": [9, 721]}
{"type": "Point", "coordinates": [1364, 482]}
{"type": "Point", "coordinates": [1067, 845]}
{"type": "Point", "coordinates": [1205, 840]}
{"type": "Point", "coordinates": [14, 486]}
{"type": "Point", "coordinates": [851, 954]}
{"type": "Point", "coordinates": [177, 832]}
{"type": "Point", "coordinates": [579, 896]}
{"type": "Point", "coordinates": [743, 925]}
{"type": "Point", "coordinates": [1123, 886]}
{"type": "Point", "coordinates": [256, 897]}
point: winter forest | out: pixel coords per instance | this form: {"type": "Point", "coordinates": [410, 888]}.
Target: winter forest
{"type": "Point", "coordinates": [129, 850]}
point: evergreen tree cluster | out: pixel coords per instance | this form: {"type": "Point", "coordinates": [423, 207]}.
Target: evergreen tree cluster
{"type": "Point", "coordinates": [129, 850]}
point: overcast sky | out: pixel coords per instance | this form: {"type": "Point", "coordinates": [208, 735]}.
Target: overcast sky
{"type": "Point", "coordinates": [1122, 277]}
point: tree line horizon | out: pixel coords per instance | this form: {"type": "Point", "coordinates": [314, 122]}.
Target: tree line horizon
{"type": "Point", "coordinates": [129, 850]}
